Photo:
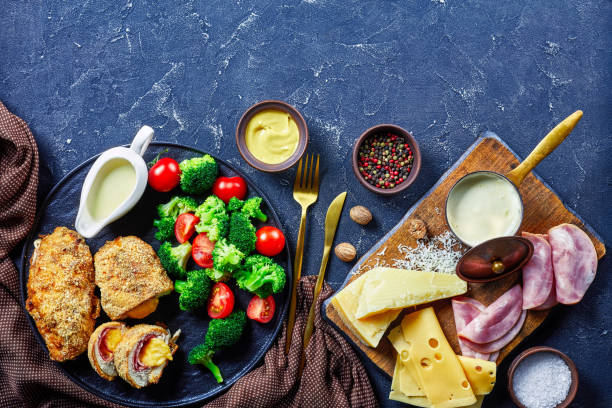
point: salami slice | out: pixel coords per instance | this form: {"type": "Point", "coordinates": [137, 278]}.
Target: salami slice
{"type": "Point", "coordinates": [496, 320]}
{"type": "Point", "coordinates": [538, 273]}
{"type": "Point", "coordinates": [465, 309]}
{"type": "Point", "coordinates": [574, 262]}
{"type": "Point", "coordinates": [501, 342]}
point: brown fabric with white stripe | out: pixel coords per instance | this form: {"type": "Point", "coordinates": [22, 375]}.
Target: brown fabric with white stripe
{"type": "Point", "coordinates": [333, 376]}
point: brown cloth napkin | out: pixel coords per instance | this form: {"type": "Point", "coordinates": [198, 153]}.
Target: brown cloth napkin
{"type": "Point", "coordinates": [333, 375]}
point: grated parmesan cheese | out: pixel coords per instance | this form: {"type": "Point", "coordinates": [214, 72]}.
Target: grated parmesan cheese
{"type": "Point", "coordinates": [436, 254]}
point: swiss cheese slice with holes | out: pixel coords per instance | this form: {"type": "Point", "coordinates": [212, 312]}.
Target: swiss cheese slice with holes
{"type": "Point", "coordinates": [387, 289]}
{"type": "Point", "coordinates": [369, 330]}
{"type": "Point", "coordinates": [439, 371]}
{"type": "Point", "coordinates": [397, 384]}
{"type": "Point", "coordinates": [399, 375]}
{"type": "Point", "coordinates": [480, 373]}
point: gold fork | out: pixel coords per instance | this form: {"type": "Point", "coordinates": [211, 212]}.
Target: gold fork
{"type": "Point", "coordinates": [305, 192]}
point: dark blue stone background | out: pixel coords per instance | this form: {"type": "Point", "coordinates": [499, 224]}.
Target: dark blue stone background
{"type": "Point", "coordinates": [86, 75]}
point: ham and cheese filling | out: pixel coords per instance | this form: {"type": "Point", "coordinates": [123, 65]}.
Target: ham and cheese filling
{"type": "Point", "coordinates": [107, 342]}
{"type": "Point", "coordinates": [151, 351]}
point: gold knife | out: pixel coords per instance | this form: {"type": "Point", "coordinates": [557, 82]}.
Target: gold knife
{"type": "Point", "coordinates": [331, 223]}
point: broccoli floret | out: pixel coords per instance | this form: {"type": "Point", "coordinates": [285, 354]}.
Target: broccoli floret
{"type": "Point", "coordinates": [165, 228]}
{"type": "Point", "coordinates": [194, 291]}
{"type": "Point", "coordinates": [261, 276]}
{"type": "Point", "coordinates": [252, 208]}
{"type": "Point", "coordinates": [215, 229]}
{"type": "Point", "coordinates": [210, 209]}
{"type": "Point", "coordinates": [198, 174]}
{"type": "Point", "coordinates": [174, 259]}
{"type": "Point", "coordinates": [226, 257]}
{"type": "Point", "coordinates": [221, 333]}
{"type": "Point", "coordinates": [242, 233]}
{"type": "Point", "coordinates": [176, 206]}
{"type": "Point", "coordinates": [234, 204]}
{"type": "Point", "coordinates": [213, 218]}
{"type": "Point", "coordinates": [218, 276]}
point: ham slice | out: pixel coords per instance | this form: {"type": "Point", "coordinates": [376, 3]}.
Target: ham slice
{"type": "Point", "coordinates": [496, 320]}
{"type": "Point", "coordinates": [493, 357]}
{"type": "Point", "coordinates": [501, 342]}
{"type": "Point", "coordinates": [550, 301]}
{"type": "Point", "coordinates": [465, 309]}
{"type": "Point", "coordinates": [537, 273]}
{"type": "Point", "coordinates": [574, 262]}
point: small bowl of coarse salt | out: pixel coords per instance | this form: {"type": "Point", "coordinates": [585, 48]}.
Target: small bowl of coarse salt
{"type": "Point", "coordinates": [542, 377]}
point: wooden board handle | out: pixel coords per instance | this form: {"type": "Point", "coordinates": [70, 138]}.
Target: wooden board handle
{"type": "Point", "coordinates": [545, 147]}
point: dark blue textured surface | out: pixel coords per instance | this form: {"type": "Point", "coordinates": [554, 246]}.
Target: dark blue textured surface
{"type": "Point", "coordinates": [85, 75]}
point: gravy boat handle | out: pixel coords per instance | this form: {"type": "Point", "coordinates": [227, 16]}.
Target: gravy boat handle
{"type": "Point", "coordinates": [142, 139]}
{"type": "Point", "coordinates": [544, 148]}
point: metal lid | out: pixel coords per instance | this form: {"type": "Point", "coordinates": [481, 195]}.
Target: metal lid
{"type": "Point", "coordinates": [494, 259]}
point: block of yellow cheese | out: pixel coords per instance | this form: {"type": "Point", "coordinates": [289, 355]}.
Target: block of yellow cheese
{"type": "Point", "coordinates": [369, 330]}
{"type": "Point", "coordinates": [387, 289]}
{"type": "Point", "coordinates": [440, 373]}
{"type": "Point", "coordinates": [480, 373]}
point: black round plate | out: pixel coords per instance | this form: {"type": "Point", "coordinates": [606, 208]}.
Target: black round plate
{"type": "Point", "coordinates": [181, 384]}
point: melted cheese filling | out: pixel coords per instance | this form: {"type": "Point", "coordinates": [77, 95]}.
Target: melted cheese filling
{"type": "Point", "coordinates": [155, 353]}
{"type": "Point", "coordinates": [112, 338]}
{"type": "Point", "coordinates": [144, 309]}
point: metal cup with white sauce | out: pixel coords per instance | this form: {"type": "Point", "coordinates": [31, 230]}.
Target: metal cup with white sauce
{"type": "Point", "coordinates": [485, 204]}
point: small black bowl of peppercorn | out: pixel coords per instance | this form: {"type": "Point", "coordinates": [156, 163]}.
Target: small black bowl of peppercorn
{"type": "Point", "coordinates": [386, 159]}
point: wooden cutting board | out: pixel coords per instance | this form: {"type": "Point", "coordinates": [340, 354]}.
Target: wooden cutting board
{"type": "Point", "coordinates": [542, 210]}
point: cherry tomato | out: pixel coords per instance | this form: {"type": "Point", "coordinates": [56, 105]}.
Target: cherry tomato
{"type": "Point", "coordinates": [184, 226]}
{"type": "Point", "coordinates": [270, 241]}
{"type": "Point", "coordinates": [261, 310]}
{"type": "Point", "coordinates": [201, 251]}
{"type": "Point", "coordinates": [228, 187]}
{"type": "Point", "coordinates": [221, 301]}
{"type": "Point", "coordinates": [164, 175]}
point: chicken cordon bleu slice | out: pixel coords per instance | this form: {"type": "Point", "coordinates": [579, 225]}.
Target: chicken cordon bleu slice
{"type": "Point", "coordinates": [101, 348]}
{"type": "Point", "coordinates": [143, 353]}
{"type": "Point", "coordinates": [130, 277]}
{"type": "Point", "coordinates": [61, 297]}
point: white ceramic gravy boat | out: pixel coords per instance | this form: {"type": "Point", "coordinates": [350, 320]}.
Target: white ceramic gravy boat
{"type": "Point", "coordinates": [85, 223]}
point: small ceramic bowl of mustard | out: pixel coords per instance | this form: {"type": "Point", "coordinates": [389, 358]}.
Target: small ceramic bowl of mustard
{"type": "Point", "coordinates": [373, 159]}
{"type": "Point", "coordinates": [271, 136]}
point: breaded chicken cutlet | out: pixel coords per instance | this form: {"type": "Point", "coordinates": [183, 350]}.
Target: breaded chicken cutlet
{"type": "Point", "coordinates": [61, 297]}
{"type": "Point", "coordinates": [131, 278]}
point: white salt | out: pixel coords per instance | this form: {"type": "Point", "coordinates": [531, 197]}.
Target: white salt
{"type": "Point", "coordinates": [542, 380]}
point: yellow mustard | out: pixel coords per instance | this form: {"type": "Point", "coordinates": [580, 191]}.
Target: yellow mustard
{"type": "Point", "coordinates": [272, 136]}
{"type": "Point", "coordinates": [155, 353]}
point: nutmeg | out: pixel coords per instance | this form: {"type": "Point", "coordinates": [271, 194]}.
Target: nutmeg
{"type": "Point", "coordinates": [345, 252]}
{"type": "Point", "coordinates": [417, 228]}
{"type": "Point", "coordinates": [361, 215]}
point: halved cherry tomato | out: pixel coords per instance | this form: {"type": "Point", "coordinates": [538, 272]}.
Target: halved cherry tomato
{"type": "Point", "coordinates": [164, 175]}
{"type": "Point", "coordinates": [221, 301]}
{"type": "Point", "coordinates": [270, 241]}
{"type": "Point", "coordinates": [201, 250]}
{"type": "Point", "coordinates": [184, 226]}
{"type": "Point", "coordinates": [227, 187]}
{"type": "Point", "coordinates": [261, 310]}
